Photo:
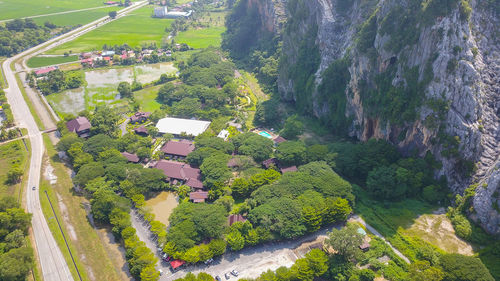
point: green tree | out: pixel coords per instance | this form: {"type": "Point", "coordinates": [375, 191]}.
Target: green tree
{"type": "Point", "coordinates": [317, 152]}
{"type": "Point", "coordinates": [149, 273]}
{"type": "Point", "coordinates": [423, 271]}
{"type": "Point", "coordinates": [104, 120]}
{"type": "Point", "coordinates": [302, 271]}
{"type": "Point", "coordinates": [124, 90]}
{"type": "Point", "coordinates": [215, 170]}
{"type": "Point", "coordinates": [14, 174]}
{"type": "Point", "coordinates": [235, 240]}
{"type": "Point", "coordinates": [240, 188]}
{"type": "Point", "coordinates": [251, 144]}
{"type": "Point", "coordinates": [463, 268]}
{"type": "Point", "coordinates": [312, 218]}
{"type": "Point", "coordinates": [217, 246]}
{"type": "Point", "coordinates": [291, 153]}
{"type": "Point", "coordinates": [293, 127]}
{"type": "Point", "coordinates": [346, 241]}
{"type": "Point", "coordinates": [317, 261]}
{"type": "Point", "coordinates": [112, 14]}
{"type": "Point", "coordinates": [337, 209]}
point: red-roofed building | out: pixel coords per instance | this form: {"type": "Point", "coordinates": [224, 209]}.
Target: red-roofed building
{"type": "Point", "coordinates": [289, 169]}
{"type": "Point", "coordinates": [88, 60]}
{"type": "Point", "coordinates": [140, 117]}
{"type": "Point", "coordinates": [131, 157]}
{"type": "Point", "coordinates": [175, 264]}
{"type": "Point", "coordinates": [180, 172]}
{"type": "Point", "coordinates": [80, 126]}
{"type": "Point", "coordinates": [44, 71]}
{"type": "Point", "coordinates": [180, 148]}
{"type": "Point", "coordinates": [198, 196]}
{"type": "Point", "coordinates": [141, 131]}
{"type": "Point", "coordinates": [234, 218]}
{"type": "Point", "coordinates": [279, 139]}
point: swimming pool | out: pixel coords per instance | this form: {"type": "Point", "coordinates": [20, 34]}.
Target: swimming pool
{"type": "Point", "coordinates": [265, 134]}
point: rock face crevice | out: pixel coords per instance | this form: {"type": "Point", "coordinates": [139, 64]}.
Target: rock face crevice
{"type": "Point", "coordinates": [459, 109]}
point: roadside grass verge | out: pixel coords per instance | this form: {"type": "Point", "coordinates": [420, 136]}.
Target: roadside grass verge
{"type": "Point", "coordinates": [93, 258]}
{"type": "Point", "coordinates": [35, 62]}
{"type": "Point", "coordinates": [147, 98]}
{"type": "Point", "coordinates": [12, 153]}
{"type": "Point", "coordinates": [201, 38]}
{"type": "Point", "coordinates": [136, 29]}
{"type": "Point", "coordinates": [3, 83]}
{"type": "Point", "coordinates": [32, 109]}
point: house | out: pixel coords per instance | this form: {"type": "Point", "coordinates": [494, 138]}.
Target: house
{"type": "Point", "coordinates": [108, 53]}
{"type": "Point", "coordinates": [198, 196]}
{"type": "Point", "coordinates": [224, 134]}
{"type": "Point", "coordinates": [87, 60]}
{"type": "Point", "coordinates": [141, 131]}
{"type": "Point", "coordinates": [131, 157]}
{"type": "Point", "coordinates": [279, 139]}
{"type": "Point", "coordinates": [270, 163]}
{"type": "Point", "coordinates": [179, 126]}
{"type": "Point", "coordinates": [365, 246]}
{"type": "Point", "coordinates": [160, 12]}
{"type": "Point", "coordinates": [140, 117]}
{"type": "Point", "coordinates": [44, 71]}
{"type": "Point", "coordinates": [289, 169]}
{"type": "Point", "coordinates": [178, 172]}
{"type": "Point", "coordinates": [180, 148]}
{"type": "Point", "coordinates": [234, 218]}
{"type": "Point", "coordinates": [80, 126]}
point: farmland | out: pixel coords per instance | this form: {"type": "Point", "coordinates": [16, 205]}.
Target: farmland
{"type": "Point", "coordinates": [24, 8]}
{"type": "Point", "coordinates": [45, 61]}
{"type": "Point", "coordinates": [199, 38]}
{"type": "Point", "coordinates": [76, 18]}
{"type": "Point", "coordinates": [136, 29]}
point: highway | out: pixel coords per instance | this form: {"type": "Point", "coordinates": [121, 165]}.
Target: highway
{"type": "Point", "coordinates": [53, 265]}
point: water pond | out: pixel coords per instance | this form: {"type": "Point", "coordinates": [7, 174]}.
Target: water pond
{"type": "Point", "coordinates": [163, 205]}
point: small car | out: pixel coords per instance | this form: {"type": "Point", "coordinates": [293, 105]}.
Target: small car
{"type": "Point", "coordinates": [218, 278]}
{"type": "Point", "coordinates": [234, 272]}
{"type": "Point", "coordinates": [227, 276]}
{"type": "Point", "coordinates": [161, 272]}
{"type": "Point", "coordinates": [208, 261]}
{"type": "Point", "coordinates": [33, 188]}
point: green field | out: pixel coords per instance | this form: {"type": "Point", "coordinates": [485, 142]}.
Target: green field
{"type": "Point", "coordinates": [147, 98]}
{"type": "Point", "coordinates": [76, 18]}
{"type": "Point", "coordinates": [13, 153]}
{"type": "Point", "coordinates": [136, 29]}
{"type": "Point", "coordinates": [201, 38]}
{"type": "Point", "coordinates": [35, 62]}
{"type": "Point", "coordinates": [23, 8]}
{"type": "Point", "coordinates": [2, 79]}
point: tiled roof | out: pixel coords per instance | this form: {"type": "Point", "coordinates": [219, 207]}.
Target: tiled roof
{"type": "Point", "coordinates": [179, 148]}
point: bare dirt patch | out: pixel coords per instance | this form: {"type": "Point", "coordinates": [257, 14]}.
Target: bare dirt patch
{"type": "Point", "coordinates": [438, 230]}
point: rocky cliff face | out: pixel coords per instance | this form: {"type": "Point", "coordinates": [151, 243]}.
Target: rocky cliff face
{"type": "Point", "coordinates": [425, 78]}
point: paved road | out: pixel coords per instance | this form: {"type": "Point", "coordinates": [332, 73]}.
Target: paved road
{"type": "Point", "coordinates": [250, 262]}
{"type": "Point", "coordinates": [61, 13]}
{"type": "Point", "coordinates": [54, 267]}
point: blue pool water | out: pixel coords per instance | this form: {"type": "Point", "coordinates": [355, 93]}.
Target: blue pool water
{"type": "Point", "coordinates": [265, 134]}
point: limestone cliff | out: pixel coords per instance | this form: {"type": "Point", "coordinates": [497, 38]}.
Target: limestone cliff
{"type": "Point", "coordinates": [421, 74]}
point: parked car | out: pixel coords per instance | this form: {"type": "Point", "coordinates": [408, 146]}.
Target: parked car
{"type": "Point", "coordinates": [234, 272]}
{"type": "Point", "coordinates": [208, 261]}
{"type": "Point", "coordinates": [218, 278]}
{"type": "Point", "coordinates": [161, 272]}
{"type": "Point", "coordinates": [34, 187]}
{"type": "Point", "coordinates": [227, 275]}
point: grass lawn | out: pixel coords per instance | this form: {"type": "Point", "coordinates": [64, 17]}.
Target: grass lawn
{"type": "Point", "coordinates": [136, 29]}
{"type": "Point", "coordinates": [92, 257]}
{"type": "Point", "coordinates": [147, 98]}
{"type": "Point", "coordinates": [12, 153]}
{"type": "Point", "coordinates": [35, 62]}
{"type": "Point", "coordinates": [81, 17]}
{"type": "Point", "coordinates": [201, 38]}
{"type": "Point", "coordinates": [2, 79]}
{"type": "Point", "coordinates": [23, 8]}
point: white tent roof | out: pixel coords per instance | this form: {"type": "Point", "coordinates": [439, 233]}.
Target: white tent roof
{"type": "Point", "coordinates": [176, 126]}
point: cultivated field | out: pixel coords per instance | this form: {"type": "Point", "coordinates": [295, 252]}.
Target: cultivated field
{"type": "Point", "coordinates": [199, 38]}
{"type": "Point", "coordinates": [76, 18]}
{"type": "Point", "coordinates": [101, 88]}
{"type": "Point", "coordinates": [23, 8]}
{"type": "Point", "coordinates": [35, 62]}
{"type": "Point", "coordinates": [136, 29]}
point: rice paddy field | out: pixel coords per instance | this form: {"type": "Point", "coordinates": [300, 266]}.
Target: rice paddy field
{"type": "Point", "coordinates": [136, 29]}
{"type": "Point", "coordinates": [102, 87]}
{"type": "Point", "coordinates": [76, 18]}
{"type": "Point", "coordinates": [199, 38]}
{"type": "Point", "coordinates": [12, 9]}
{"type": "Point", "coordinates": [35, 62]}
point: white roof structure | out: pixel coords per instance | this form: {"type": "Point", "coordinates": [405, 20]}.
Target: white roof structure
{"type": "Point", "coordinates": [176, 126]}
{"type": "Point", "coordinates": [224, 134]}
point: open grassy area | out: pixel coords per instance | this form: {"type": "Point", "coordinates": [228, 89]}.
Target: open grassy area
{"type": "Point", "coordinates": [76, 18]}
{"type": "Point", "coordinates": [147, 98]}
{"type": "Point", "coordinates": [93, 259]}
{"type": "Point", "coordinates": [35, 62]}
{"type": "Point", "coordinates": [136, 29]}
{"type": "Point", "coordinates": [201, 38]}
{"type": "Point", "coordinates": [12, 153]}
{"type": "Point", "coordinates": [23, 8]}
{"type": "Point", "coordinates": [2, 78]}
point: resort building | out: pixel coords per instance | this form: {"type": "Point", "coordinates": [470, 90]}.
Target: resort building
{"type": "Point", "coordinates": [131, 157]}
{"type": "Point", "coordinates": [180, 173]}
{"type": "Point", "coordinates": [178, 126]}
{"type": "Point", "coordinates": [178, 149]}
{"type": "Point", "coordinates": [80, 126]}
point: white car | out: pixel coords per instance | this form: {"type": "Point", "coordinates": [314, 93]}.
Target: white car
{"type": "Point", "coordinates": [161, 272]}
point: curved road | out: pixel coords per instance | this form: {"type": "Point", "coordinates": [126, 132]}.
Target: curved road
{"type": "Point", "coordinates": [54, 267]}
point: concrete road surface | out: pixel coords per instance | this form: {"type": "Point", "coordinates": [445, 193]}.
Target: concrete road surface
{"type": "Point", "coordinates": [54, 267]}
